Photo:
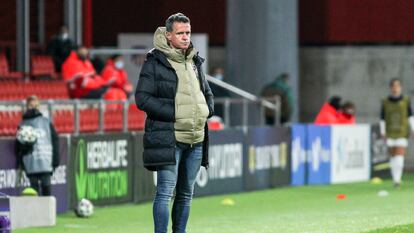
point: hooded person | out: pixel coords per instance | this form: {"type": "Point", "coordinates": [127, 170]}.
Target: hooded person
{"type": "Point", "coordinates": [330, 112]}
{"type": "Point", "coordinates": [177, 99]}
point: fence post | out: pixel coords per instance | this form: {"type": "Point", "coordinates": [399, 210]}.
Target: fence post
{"type": "Point", "coordinates": [262, 113]}
{"type": "Point", "coordinates": [277, 111]}
{"type": "Point", "coordinates": [227, 112]}
{"type": "Point", "coordinates": [125, 115]}
{"type": "Point", "coordinates": [101, 116]}
{"type": "Point", "coordinates": [76, 115]}
{"type": "Point", "coordinates": [245, 120]}
{"type": "Point", "coordinates": [50, 110]}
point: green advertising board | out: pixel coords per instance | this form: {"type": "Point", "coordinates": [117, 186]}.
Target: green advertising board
{"type": "Point", "coordinates": [101, 169]}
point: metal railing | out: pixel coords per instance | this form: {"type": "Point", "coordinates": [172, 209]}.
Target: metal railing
{"type": "Point", "coordinates": [77, 105]}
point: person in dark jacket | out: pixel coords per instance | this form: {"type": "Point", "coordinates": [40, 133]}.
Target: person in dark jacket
{"type": "Point", "coordinates": [40, 159]}
{"type": "Point", "coordinates": [219, 92]}
{"type": "Point", "coordinates": [177, 99]}
{"type": "Point", "coordinates": [60, 47]}
{"type": "Point", "coordinates": [279, 87]}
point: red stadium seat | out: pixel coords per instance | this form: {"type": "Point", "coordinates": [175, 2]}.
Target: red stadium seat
{"type": "Point", "coordinates": [19, 90]}
{"type": "Point", "coordinates": [42, 67]}
{"type": "Point", "coordinates": [64, 121]}
{"type": "Point", "coordinates": [5, 71]}
{"type": "Point", "coordinates": [89, 120]}
{"type": "Point", "coordinates": [136, 118]}
{"type": "Point", "coordinates": [9, 122]}
{"type": "Point", "coordinates": [113, 120]}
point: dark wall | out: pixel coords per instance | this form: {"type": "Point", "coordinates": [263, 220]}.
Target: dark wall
{"type": "Point", "coordinates": [110, 18]}
{"type": "Point", "coordinates": [54, 19]}
{"type": "Point", "coordinates": [356, 21]}
{"type": "Point", "coordinates": [321, 21]}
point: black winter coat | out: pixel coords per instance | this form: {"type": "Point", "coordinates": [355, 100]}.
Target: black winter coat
{"type": "Point", "coordinates": [155, 95]}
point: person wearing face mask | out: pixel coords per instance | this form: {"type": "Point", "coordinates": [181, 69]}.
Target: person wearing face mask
{"type": "Point", "coordinates": [59, 47]}
{"type": "Point", "coordinates": [114, 70]}
{"type": "Point", "coordinates": [82, 80]}
{"type": "Point", "coordinates": [40, 159]}
{"type": "Point", "coordinates": [218, 91]}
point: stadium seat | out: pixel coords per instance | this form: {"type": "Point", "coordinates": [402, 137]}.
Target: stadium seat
{"type": "Point", "coordinates": [19, 89]}
{"type": "Point", "coordinates": [5, 71]}
{"type": "Point", "coordinates": [89, 120]}
{"type": "Point", "coordinates": [42, 67]}
{"type": "Point", "coordinates": [113, 120]}
{"type": "Point", "coordinates": [136, 118]}
{"type": "Point", "coordinates": [9, 120]}
{"type": "Point", "coordinates": [64, 121]}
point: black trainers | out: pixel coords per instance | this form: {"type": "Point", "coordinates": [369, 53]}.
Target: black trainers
{"type": "Point", "coordinates": [397, 185]}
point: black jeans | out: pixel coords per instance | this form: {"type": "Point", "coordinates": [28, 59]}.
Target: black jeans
{"type": "Point", "coordinates": [40, 180]}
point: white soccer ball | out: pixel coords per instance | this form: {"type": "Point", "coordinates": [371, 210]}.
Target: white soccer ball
{"type": "Point", "coordinates": [27, 135]}
{"type": "Point", "coordinates": [84, 208]}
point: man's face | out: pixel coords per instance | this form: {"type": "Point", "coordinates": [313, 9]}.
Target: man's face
{"type": "Point", "coordinates": [179, 38]}
{"type": "Point", "coordinates": [33, 104]}
{"type": "Point", "coordinates": [396, 88]}
{"type": "Point", "coordinates": [83, 53]}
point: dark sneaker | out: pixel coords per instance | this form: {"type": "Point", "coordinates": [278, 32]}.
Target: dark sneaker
{"type": "Point", "coordinates": [397, 185]}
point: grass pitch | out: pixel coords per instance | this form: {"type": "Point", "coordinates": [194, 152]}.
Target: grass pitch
{"type": "Point", "coordinates": [316, 209]}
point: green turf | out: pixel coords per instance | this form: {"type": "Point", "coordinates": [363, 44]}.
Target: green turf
{"type": "Point", "coordinates": [396, 229]}
{"type": "Point", "coordinates": [294, 209]}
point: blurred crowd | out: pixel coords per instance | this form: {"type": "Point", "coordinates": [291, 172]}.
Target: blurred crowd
{"type": "Point", "coordinates": [82, 78]}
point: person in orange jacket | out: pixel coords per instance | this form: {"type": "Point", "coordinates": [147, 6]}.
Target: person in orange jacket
{"type": "Point", "coordinates": [333, 112]}
{"type": "Point", "coordinates": [82, 80]}
{"type": "Point", "coordinates": [329, 113]}
{"type": "Point", "coordinates": [347, 113]}
{"type": "Point", "coordinates": [114, 69]}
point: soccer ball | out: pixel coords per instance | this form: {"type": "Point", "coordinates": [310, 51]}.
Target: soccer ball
{"type": "Point", "coordinates": [84, 208]}
{"type": "Point", "coordinates": [27, 135]}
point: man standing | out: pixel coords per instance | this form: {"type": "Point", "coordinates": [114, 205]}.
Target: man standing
{"type": "Point", "coordinates": [40, 159]}
{"type": "Point", "coordinates": [59, 47]}
{"type": "Point", "coordinates": [396, 117]}
{"type": "Point", "coordinates": [177, 99]}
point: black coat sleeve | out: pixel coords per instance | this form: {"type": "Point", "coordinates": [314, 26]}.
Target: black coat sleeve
{"type": "Point", "coordinates": [55, 147]}
{"type": "Point", "coordinates": [209, 97]}
{"type": "Point", "coordinates": [146, 95]}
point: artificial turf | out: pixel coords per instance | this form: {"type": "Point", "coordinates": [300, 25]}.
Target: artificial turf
{"type": "Point", "coordinates": [303, 209]}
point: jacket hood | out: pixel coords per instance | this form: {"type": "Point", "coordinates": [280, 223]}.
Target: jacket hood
{"type": "Point", "coordinates": [31, 113]}
{"type": "Point", "coordinates": [161, 44]}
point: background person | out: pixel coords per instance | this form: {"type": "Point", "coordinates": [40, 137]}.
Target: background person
{"type": "Point", "coordinates": [40, 159]}
{"type": "Point", "coordinates": [114, 69]}
{"type": "Point", "coordinates": [347, 113]}
{"type": "Point", "coordinates": [219, 92]}
{"type": "Point", "coordinates": [396, 119]}
{"type": "Point", "coordinates": [59, 47]}
{"type": "Point", "coordinates": [330, 112]}
{"type": "Point", "coordinates": [279, 87]}
{"type": "Point", "coordinates": [82, 80]}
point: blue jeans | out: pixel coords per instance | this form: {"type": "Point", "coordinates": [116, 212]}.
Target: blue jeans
{"type": "Point", "coordinates": [181, 176]}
